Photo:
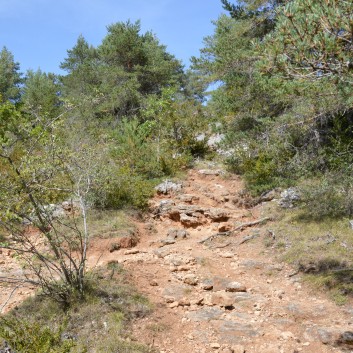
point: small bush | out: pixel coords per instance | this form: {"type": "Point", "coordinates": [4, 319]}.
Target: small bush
{"type": "Point", "coordinates": [327, 197]}
{"type": "Point", "coordinates": [262, 169]}
{"type": "Point", "coordinates": [99, 323]}
{"type": "Point", "coordinates": [29, 337]}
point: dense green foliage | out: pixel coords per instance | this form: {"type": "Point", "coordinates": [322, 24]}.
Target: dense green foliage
{"type": "Point", "coordinates": [116, 77]}
{"type": "Point", "coordinates": [32, 337]}
{"type": "Point", "coordinates": [127, 115]}
{"type": "Point", "coordinates": [285, 94]}
{"type": "Point", "coordinates": [10, 77]}
{"type": "Point", "coordinates": [124, 117]}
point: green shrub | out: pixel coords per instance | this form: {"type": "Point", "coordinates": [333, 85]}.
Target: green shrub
{"type": "Point", "coordinates": [100, 323]}
{"type": "Point", "coordinates": [328, 197]}
{"type": "Point", "coordinates": [322, 199]}
{"type": "Point", "coordinates": [29, 337]}
{"type": "Point", "coordinates": [263, 168]}
{"type": "Point", "coordinates": [123, 188]}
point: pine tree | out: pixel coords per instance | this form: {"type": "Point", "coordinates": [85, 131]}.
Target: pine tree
{"type": "Point", "coordinates": [10, 77]}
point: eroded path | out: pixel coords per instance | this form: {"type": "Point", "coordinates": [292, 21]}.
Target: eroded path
{"type": "Point", "coordinates": [214, 284]}
{"type": "Point", "coordinates": [218, 289]}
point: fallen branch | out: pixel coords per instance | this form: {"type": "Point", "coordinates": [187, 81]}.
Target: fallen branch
{"type": "Point", "coordinates": [224, 234]}
{"type": "Point", "coordinates": [247, 238]}
{"type": "Point", "coordinates": [9, 298]}
{"type": "Point", "coordinates": [250, 224]}
{"type": "Point", "coordinates": [17, 280]}
{"type": "Point", "coordinates": [221, 246]}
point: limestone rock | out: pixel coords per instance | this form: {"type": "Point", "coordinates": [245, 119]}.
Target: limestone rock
{"type": "Point", "coordinates": [213, 172]}
{"type": "Point", "coordinates": [132, 252]}
{"type": "Point", "coordinates": [207, 284]}
{"type": "Point", "coordinates": [188, 198]}
{"type": "Point", "coordinates": [183, 268]}
{"type": "Point", "coordinates": [286, 335]}
{"type": "Point", "coordinates": [176, 233]}
{"type": "Point", "coordinates": [71, 205]}
{"type": "Point", "coordinates": [179, 260]}
{"type": "Point", "coordinates": [198, 301]}
{"type": "Point", "coordinates": [226, 255]}
{"type": "Point", "coordinates": [191, 279]}
{"type": "Point", "coordinates": [168, 241]}
{"type": "Point", "coordinates": [289, 197]}
{"type": "Point", "coordinates": [169, 299]}
{"type": "Point", "coordinates": [346, 338]}
{"type": "Point", "coordinates": [222, 299]}
{"type": "Point", "coordinates": [190, 221]}
{"type": "Point", "coordinates": [226, 350]}
{"type": "Point", "coordinates": [215, 139]}
{"type": "Point", "coordinates": [184, 302]}
{"type": "Point", "coordinates": [215, 345]}
{"type": "Point", "coordinates": [217, 214]}
{"type": "Point", "coordinates": [238, 349]}
{"type": "Point", "coordinates": [235, 287]}
{"type": "Point", "coordinates": [167, 187]}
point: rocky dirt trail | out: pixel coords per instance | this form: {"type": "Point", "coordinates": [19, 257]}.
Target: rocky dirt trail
{"type": "Point", "coordinates": [217, 288]}
{"type": "Point", "coordinates": [214, 285]}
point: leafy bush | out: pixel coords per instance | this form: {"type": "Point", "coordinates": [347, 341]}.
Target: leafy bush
{"type": "Point", "coordinates": [29, 337]}
{"type": "Point", "coordinates": [122, 187]}
{"type": "Point", "coordinates": [99, 323]}
{"type": "Point", "coordinates": [263, 167]}
{"type": "Point", "coordinates": [328, 197]}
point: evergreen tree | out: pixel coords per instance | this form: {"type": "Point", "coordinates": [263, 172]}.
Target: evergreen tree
{"type": "Point", "coordinates": [312, 40]}
{"type": "Point", "coordinates": [10, 77]}
{"type": "Point", "coordinates": [115, 78]}
{"type": "Point", "coordinates": [41, 94]}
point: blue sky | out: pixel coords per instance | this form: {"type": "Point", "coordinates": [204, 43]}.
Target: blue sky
{"type": "Point", "coordinates": [39, 32]}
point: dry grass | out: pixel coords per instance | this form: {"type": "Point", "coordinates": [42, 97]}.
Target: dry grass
{"type": "Point", "coordinates": [101, 224]}
{"type": "Point", "coordinates": [320, 249]}
{"type": "Point", "coordinates": [100, 323]}
{"type": "Point", "coordinates": [110, 223]}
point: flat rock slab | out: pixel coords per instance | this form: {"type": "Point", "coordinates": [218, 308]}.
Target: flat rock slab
{"type": "Point", "coordinates": [322, 334]}
{"type": "Point", "coordinates": [217, 214]}
{"type": "Point", "coordinates": [177, 233]}
{"type": "Point", "coordinates": [232, 332]}
{"type": "Point", "coordinates": [213, 172]}
{"type": "Point", "coordinates": [179, 260]}
{"type": "Point", "coordinates": [235, 287]}
{"type": "Point", "coordinates": [188, 198]}
{"type": "Point", "coordinates": [239, 316]}
{"type": "Point", "coordinates": [252, 264]}
{"type": "Point", "coordinates": [219, 283]}
{"type": "Point", "coordinates": [177, 292]}
{"type": "Point", "coordinates": [205, 314]}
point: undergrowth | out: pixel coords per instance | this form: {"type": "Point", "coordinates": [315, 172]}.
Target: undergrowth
{"type": "Point", "coordinates": [320, 249]}
{"type": "Point", "coordinates": [99, 323]}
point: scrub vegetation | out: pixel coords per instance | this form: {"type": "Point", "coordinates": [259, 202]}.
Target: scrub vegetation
{"type": "Point", "coordinates": [127, 115]}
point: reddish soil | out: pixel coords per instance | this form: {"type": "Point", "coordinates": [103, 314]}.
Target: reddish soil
{"type": "Point", "coordinates": [190, 281]}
